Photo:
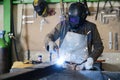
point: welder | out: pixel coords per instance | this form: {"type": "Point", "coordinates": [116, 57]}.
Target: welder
{"type": "Point", "coordinates": [76, 24]}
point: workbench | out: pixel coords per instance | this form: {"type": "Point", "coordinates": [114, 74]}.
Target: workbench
{"type": "Point", "coordinates": [48, 71]}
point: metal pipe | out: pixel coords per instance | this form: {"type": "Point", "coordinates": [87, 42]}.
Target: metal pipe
{"type": "Point", "coordinates": [106, 14]}
{"type": "Point", "coordinates": [28, 16]}
{"type": "Point", "coordinates": [109, 15]}
{"type": "Point", "coordinates": [27, 22]}
{"type": "Point", "coordinates": [116, 41]}
{"type": "Point", "coordinates": [110, 40]}
{"type": "Point", "coordinates": [105, 17]}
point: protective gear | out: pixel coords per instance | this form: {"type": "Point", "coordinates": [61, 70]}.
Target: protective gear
{"type": "Point", "coordinates": [89, 63]}
{"type": "Point", "coordinates": [94, 42]}
{"type": "Point", "coordinates": [40, 6]}
{"type": "Point", "coordinates": [77, 14]}
{"type": "Point", "coordinates": [74, 48]}
{"type": "Point", "coordinates": [52, 47]}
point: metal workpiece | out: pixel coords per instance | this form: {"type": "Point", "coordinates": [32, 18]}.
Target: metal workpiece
{"type": "Point", "coordinates": [48, 71]}
{"type": "Point", "coordinates": [32, 73]}
{"type": "Point", "coordinates": [84, 75]}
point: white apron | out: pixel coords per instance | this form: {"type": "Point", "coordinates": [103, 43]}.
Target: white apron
{"type": "Point", "coordinates": [74, 48]}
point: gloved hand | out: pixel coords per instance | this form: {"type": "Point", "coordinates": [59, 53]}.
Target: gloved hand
{"type": "Point", "coordinates": [89, 63]}
{"type": "Point", "coordinates": [52, 47]}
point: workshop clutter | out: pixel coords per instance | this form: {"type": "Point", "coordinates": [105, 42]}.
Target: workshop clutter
{"type": "Point", "coordinates": [5, 58]}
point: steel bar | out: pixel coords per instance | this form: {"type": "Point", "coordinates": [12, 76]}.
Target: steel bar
{"type": "Point", "coordinates": [33, 74]}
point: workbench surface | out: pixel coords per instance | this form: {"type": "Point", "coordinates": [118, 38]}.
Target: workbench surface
{"type": "Point", "coordinates": [48, 71]}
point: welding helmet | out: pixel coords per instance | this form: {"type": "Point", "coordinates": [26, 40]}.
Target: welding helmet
{"type": "Point", "coordinates": [40, 6]}
{"type": "Point", "coordinates": [77, 14]}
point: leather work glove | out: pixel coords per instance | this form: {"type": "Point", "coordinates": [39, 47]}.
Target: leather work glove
{"type": "Point", "coordinates": [52, 47]}
{"type": "Point", "coordinates": [89, 64]}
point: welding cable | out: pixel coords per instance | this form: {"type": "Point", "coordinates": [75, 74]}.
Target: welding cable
{"type": "Point", "coordinates": [76, 64]}
{"type": "Point", "coordinates": [71, 63]}
{"type": "Point", "coordinates": [13, 31]}
{"type": "Point", "coordinates": [79, 64]}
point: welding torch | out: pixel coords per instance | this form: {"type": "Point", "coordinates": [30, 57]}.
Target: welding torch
{"type": "Point", "coordinates": [57, 51]}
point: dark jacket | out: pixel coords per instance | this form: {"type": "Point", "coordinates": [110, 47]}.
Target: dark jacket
{"type": "Point", "coordinates": [93, 38]}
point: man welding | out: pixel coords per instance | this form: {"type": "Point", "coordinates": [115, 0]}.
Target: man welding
{"type": "Point", "coordinates": [79, 39]}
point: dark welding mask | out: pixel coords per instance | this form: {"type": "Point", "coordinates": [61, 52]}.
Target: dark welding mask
{"type": "Point", "coordinates": [77, 14]}
{"type": "Point", "coordinates": [40, 6]}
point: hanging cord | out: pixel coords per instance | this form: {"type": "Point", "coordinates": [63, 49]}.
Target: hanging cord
{"type": "Point", "coordinates": [22, 19]}
{"type": "Point", "coordinates": [27, 43]}
{"type": "Point", "coordinates": [97, 10]}
{"type": "Point", "coordinates": [109, 3]}
{"type": "Point", "coordinates": [88, 11]}
{"type": "Point", "coordinates": [14, 40]}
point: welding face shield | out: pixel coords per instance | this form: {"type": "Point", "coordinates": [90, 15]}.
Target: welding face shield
{"type": "Point", "coordinates": [77, 14]}
{"type": "Point", "coordinates": [40, 6]}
